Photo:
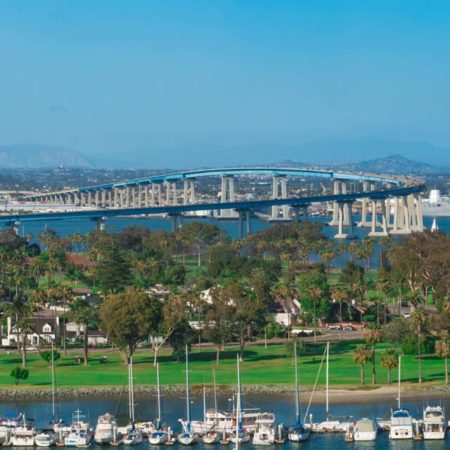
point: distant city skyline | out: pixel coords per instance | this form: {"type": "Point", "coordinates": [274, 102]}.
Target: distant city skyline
{"type": "Point", "coordinates": [204, 82]}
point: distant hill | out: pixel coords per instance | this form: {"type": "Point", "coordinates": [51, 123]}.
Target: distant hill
{"type": "Point", "coordinates": [36, 156]}
{"type": "Point", "coordinates": [394, 164]}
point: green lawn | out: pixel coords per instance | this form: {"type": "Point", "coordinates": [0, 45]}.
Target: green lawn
{"type": "Point", "coordinates": [261, 366]}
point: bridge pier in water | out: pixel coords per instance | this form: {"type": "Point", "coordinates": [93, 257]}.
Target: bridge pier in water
{"type": "Point", "coordinates": [345, 220]}
{"type": "Point", "coordinates": [227, 195]}
{"type": "Point", "coordinates": [279, 183]}
{"type": "Point", "coordinates": [244, 214]}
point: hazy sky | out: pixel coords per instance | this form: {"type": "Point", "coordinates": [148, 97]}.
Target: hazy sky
{"type": "Point", "coordinates": [101, 76]}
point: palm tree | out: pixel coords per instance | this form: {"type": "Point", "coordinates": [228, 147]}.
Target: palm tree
{"type": "Point", "coordinates": [389, 360]}
{"type": "Point", "coordinates": [315, 293]}
{"type": "Point", "coordinates": [372, 336]}
{"type": "Point", "coordinates": [419, 319]}
{"type": "Point", "coordinates": [86, 315]}
{"type": "Point", "coordinates": [361, 356]}
{"type": "Point", "coordinates": [442, 348]}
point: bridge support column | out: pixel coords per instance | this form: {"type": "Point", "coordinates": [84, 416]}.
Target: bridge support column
{"type": "Point", "coordinates": [279, 183]}
{"type": "Point", "coordinates": [227, 195]}
{"type": "Point", "coordinates": [336, 191]}
{"type": "Point", "coordinates": [341, 234]}
{"type": "Point", "coordinates": [103, 198]}
{"type": "Point", "coordinates": [189, 192]}
{"type": "Point", "coordinates": [100, 223]}
{"type": "Point", "coordinates": [374, 232]}
{"type": "Point", "coordinates": [347, 213]}
{"type": "Point", "coordinates": [419, 213]}
{"type": "Point", "coordinates": [177, 221]}
{"type": "Point", "coordinates": [367, 187]}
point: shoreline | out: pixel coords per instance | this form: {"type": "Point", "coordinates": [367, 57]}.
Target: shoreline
{"type": "Point", "coordinates": [337, 395]}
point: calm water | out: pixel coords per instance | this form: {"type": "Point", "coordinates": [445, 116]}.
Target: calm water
{"type": "Point", "coordinates": [67, 227]}
{"type": "Point", "coordinates": [282, 405]}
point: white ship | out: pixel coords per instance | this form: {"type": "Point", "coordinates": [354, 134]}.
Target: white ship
{"type": "Point", "coordinates": [81, 433]}
{"type": "Point", "coordinates": [436, 205]}
{"type": "Point", "coordinates": [23, 435]}
{"type": "Point", "coordinates": [364, 430]}
{"type": "Point", "coordinates": [434, 425]}
{"type": "Point", "coordinates": [265, 430]}
{"type": "Point", "coordinates": [105, 429]}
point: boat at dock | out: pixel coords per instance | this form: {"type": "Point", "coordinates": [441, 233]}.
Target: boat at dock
{"type": "Point", "coordinates": [45, 439]}
{"type": "Point", "coordinates": [363, 430]}
{"type": "Point", "coordinates": [265, 429]}
{"type": "Point", "coordinates": [434, 424]}
{"type": "Point", "coordinates": [159, 435]}
{"type": "Point", "coordinates": [104, 431]}
{"type": "Point", "coordinates": [187, 436]}
{"type": "Point", "coordinates": [297, 433]}
{"type": "Point", "coordinates": [132, 434]}
{"type": "Point", "coordinates": [239, 435]}
{"type": "Point", "coordinates": [401, 426]}
{"type": "Point", "coordinates": [23, 434]}
{"type": "Point", "coordinates": [80, 433]}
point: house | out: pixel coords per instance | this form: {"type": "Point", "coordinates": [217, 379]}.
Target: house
{"type": "Point", "coordinates": [75, 332]}
{"type": "Point", "coordinates": [285, 311]}
{"type": "Point", "coordinates": [45, 328]}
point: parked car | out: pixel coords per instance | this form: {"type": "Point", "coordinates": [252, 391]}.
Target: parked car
{"type": "Point", "coordinates": [334, 327]}
{"type": "Point", "coordinates": [348, 328]}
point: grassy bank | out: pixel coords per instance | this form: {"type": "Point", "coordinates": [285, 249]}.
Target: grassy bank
{"type": "Point", "coordinates": [271, 366]}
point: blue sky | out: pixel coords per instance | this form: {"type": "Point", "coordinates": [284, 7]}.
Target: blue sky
{"type": "Point", "coordinates": [107, 76]}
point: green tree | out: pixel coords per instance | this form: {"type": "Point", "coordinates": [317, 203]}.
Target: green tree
{"type": "Point", "coordinates": [389, 360]}
{"type": "Point", "coordinates": [361, 356]}
{"type": "Point", "coordinates": [419, 320]}
{"type": "Point", "coordinates": [47, 356]}
{"type": "Point", "coordinates": [219, 320]}
{"type": "Point", "coordinates": [128, 318]}
{"type": "Point", "coordinates": [443, 351]}
{"type": "Point", "coordinates": [113, 271]}
{"type": "Point", "coordinates": [372, 336]}
{"type": "Point", "coordinates": [19, 373]}
{"type": "Point", "coordinates": [86, 317]}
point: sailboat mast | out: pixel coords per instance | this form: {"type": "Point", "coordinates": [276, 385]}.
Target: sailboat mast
{"type": "Point", "coordinates": [131, 391]}
{"type": "Point", "coordinates": [297, 400]}
{"type": "Point", "coordinates": [238, 405]}
{"type": "Point", "coordinates": [215, 395]}
{"type": "Point", "coordinates": [327, 380]}
{"type": "Point", "coordinates": [53, 384]}
{"type": "Point", "coordinates": [399, 380]}
{"type": "Point", "coordinates": [158, 388]}
{"type": "Point", "coordinates": [188, 409]}
{"type": "Point", "coordinates": [204, 403]}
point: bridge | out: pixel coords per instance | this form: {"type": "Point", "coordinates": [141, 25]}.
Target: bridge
{"type": "Point", "coordinates": [388, 204]}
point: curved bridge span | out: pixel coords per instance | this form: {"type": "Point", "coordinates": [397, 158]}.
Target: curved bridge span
{"type": "Point", "coordinates": [388, 204]}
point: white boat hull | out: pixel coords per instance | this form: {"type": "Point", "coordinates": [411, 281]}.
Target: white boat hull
{"type": "Point", "coordinates": [133, 439]}
{"type": "Point", "coordinates": [45, 440]}
{"type": "Point", "coordinates": [401, 433]}
{"type": "Point", "coordinates": [23, 442]}
{"type": "Point", "coordinates": [187, 438]}
{"type": "Point", "coordinates": [158, 438]}
{"type": "Point", "coordinates": [434, 435]}
{"type": "Point", "coordinates": [298, 437]}
{"type": "Point", "coordinates": [365, 436]}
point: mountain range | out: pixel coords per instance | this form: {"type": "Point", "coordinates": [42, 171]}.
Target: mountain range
{"type": "Point", "coordinates": [358, 155]}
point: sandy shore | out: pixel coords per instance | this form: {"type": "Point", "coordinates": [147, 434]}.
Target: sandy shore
{"type": "Point", "coordinates": [336, 395]}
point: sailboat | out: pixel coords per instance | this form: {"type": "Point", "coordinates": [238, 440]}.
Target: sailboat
{"type": "Point", "coordinates": [329, 425]}
{"type": "Point", "coordinates": [187, 437]}
{"type": "Point", "coordinates": [434, 226]}
{"type": "Point", "coordinates": [297, 432]}
{"type": "Point", "coordinates": [133, 436]}
{"type": "Point", "coordinates": [401, 420]}
{"type": "Point", "coordinates": [239, 435]}
{"type": "Point", "coordinates": [158, 436]}
{"type": "Point", "coordinates": [212, 436]}
{"type": "Point", "coordinates": [48, 438]}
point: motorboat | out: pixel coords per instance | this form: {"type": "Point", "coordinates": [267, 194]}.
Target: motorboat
{"type": "Point", "coordinates": [80, 433]}
{"type": "Point", "coordinates": [146, 427]}
{"type": "Point", "coordinates": [7, 425]}
{"type": "Point", "coordinates": [401, 421]}
{"type": "Point", "coordinates": [401, 424]}
{"type": "Point", "coordinates": [23, 434]}
{"type": "Point", "coordinates": [45, 439]}
{"type": "Point", "coordinates": [434, 424]}
{"type": "Point", "coordinates": [265, 430]}
{"type": "Point", "coordinates": [105, 429]}
{"type": "Point", "coordinates": [364, 430]}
